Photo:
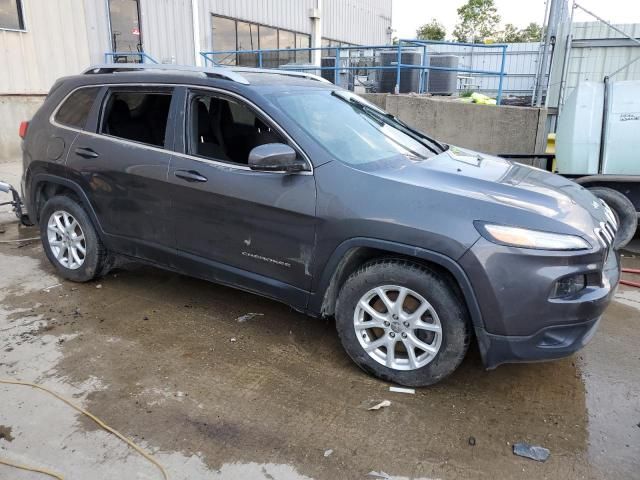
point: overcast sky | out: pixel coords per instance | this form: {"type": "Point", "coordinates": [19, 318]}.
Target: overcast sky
{"type": "Point", "coordinates": [409, 14]}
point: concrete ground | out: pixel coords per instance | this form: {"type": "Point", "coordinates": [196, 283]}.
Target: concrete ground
{"type": "Point", "coordinates": [220, 384]}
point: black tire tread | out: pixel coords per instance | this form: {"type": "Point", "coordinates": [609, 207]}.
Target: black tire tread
{"type": "Point", "coordinates": [413, 268]}
{"type": "Point", "coordinates": [104, 260]}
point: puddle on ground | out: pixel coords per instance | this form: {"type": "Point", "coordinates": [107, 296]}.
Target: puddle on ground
{"type": "Point", "coordinates": [151, 353]}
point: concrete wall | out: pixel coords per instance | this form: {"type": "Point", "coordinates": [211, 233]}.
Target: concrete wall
{"type": "Point", "coordinates": [14, 109]}
{"type": "Point", "coordinates": [484, 128]}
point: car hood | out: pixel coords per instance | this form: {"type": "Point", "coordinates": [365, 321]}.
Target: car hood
{"type": "Point", "coordinates": [484, 177]}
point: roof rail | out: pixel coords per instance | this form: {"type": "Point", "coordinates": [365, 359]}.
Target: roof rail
{"type": "Point", "coordinates": [291, 73]}
{"type": "Point", "coordinates": [217, 72]}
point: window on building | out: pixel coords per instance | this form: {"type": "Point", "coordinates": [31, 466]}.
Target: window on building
{"type": "Point", "coordinates": [126, 34]}
{"type": "Point", "coordinates": [235, 35]}
{"type": "Point", "coordinates": [11, 15]}
{"type": "Point", "coordinates": [137, 116]}
{"type": "Point", "coordinates": [224, 39]}
{"type": "Point", "coordinates": [226, 130]}
{"type": "Point", "coordinates": [286, 40]}
{"type": "Point", "coordinates": [269, 40]}
{"type": "Point", "coordinates": [247, 40]}
{"type": "Point", "coordinates": [303, 41]}
{"type": "Point", "coordinates": [74, 112]}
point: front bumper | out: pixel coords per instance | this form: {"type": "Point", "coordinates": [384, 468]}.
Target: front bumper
{"type": "Point", "coordinates": [521, 322]}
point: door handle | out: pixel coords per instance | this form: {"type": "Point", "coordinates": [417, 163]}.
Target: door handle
{"type": "Point", "coordinates": [86, 152]}
{"type": "Point", "coordinates": [190, 175]}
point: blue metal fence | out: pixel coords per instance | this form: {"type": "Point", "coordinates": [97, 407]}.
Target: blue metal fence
{"type": "Point", "coordinates": [269, 56]}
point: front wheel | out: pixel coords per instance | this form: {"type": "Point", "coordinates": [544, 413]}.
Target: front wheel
{"type": "Point", "coordinates": [402, 322]}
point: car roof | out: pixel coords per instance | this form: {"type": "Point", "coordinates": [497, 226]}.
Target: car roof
{"type": "Point", "coordinates": [240, 76]}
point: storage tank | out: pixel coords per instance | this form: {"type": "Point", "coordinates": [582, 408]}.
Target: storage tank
{"type": "Point", "coordinates": [409, 77]}
{"type": "Point", "coordinates": [443, 82]}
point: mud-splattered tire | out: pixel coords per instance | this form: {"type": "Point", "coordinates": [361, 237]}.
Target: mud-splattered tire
{"type": "Point", "coordinates": [70, 240]}
{"type": "Point", "coordinates": [397, 306]}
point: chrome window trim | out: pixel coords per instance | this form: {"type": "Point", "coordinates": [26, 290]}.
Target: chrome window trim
{"type": "Point", "coordinates": [230, 165]}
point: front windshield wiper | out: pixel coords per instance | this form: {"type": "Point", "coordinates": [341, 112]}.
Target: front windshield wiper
{"type": "Point", "coordinates": [381, 116]}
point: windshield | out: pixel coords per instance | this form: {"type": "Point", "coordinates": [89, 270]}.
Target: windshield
{"type": "Point", "coordinates": [352, 129]}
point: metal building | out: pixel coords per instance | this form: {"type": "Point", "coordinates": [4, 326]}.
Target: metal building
{"type": "Point", "coordinates": [41, 40]}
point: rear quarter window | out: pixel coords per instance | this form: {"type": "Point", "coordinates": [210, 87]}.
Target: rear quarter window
{"type": "Point", "coordinates": [74, 111]}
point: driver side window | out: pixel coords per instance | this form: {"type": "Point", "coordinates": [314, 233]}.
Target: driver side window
{"type": "Point", "coordinates": [225, 129]}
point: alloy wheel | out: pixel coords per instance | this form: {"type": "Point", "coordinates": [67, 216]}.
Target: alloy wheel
{"type": "Point", "coordinates": [66, 239]}
{"type": "Point", "coordinates": [397, 327]}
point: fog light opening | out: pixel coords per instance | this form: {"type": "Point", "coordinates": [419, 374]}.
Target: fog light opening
{"type": "Point", "coordinates": [568, 286]}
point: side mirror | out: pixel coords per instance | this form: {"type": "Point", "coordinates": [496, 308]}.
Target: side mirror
{"type": "Point", "coordinates": [276, 157]}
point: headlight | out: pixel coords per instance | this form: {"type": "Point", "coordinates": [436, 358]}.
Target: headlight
{"type": "Point", "coordinates": [525, 238]}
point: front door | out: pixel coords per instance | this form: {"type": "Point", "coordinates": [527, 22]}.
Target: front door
{"type": "Point", "coordinates": [254, 230]}
{"type": "Point", "coordinates": [123, 166]}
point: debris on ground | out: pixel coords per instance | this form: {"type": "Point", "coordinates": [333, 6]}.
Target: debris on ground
{"type": "Point", "coordinates": [328, 452]}
{"type": "Point", "coordinates": [534, 452]}
{"type": "Point", "coordinates": [402, 390]}
{"type": "Point", "coordinates": [382, 404]}
{"type": "Point", "coordinates": [233, 339]}
{"type": "Point", "coordinates": [52, 286]}
{"type": "Point", "coordinates": [99, 285]}
{"type": "Point", "coordinates": [248, 316]}
{"type": "Point", "coordinates": [472, 441]}
{"type": "Point", "coordinates": [380, 474]}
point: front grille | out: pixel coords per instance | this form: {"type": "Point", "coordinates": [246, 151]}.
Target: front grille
{"type": "Point", "coordinates": [606, 232]}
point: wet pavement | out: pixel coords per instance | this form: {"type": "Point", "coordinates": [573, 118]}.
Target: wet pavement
{"type": "Point", "coordinates": [220, 384]}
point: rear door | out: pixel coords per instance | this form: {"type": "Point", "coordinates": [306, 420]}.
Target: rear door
{"type": "Point", "coordinates": [252, 229]}
{"type": "Point", "coordinates": [123, 166]}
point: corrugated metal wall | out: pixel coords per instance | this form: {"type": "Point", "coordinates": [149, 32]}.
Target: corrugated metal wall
{"type": "Point", "coordinates": [592, 63]}
{"type": "Point", "coordinates": [521, 64]}
{"type": "Point", "coordinates": [167, 29]}
{"type": "Point", "coordinates": [363, 22]}
{"type": "Point", "coordinates": [66, 36]}
{"type": "Point", "coordinates": [54, 45]}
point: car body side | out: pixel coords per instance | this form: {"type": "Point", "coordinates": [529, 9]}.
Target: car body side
{"type": "Point", "coordinates": [357, 215]}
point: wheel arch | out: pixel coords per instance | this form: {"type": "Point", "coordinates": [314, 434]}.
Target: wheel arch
{"type": "Point", "coordinates": [44, 186]}
{"type": "Point", "coordinates": [353, 253]}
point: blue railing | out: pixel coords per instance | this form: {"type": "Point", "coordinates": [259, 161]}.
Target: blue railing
{"type": "Point", "coordinates": [270, 56]}
{"type": "Point", "coordinates": [112, 57]}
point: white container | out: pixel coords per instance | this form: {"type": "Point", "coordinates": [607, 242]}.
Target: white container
{"type": "Point", "coordinates": [579, 130]}
{"type": "Point", "coordinates": [622, 137]}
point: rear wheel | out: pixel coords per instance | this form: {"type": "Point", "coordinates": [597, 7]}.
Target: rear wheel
{"type": "Point", "coordinates": [70, 240]}
{"type": "Point", "coordinates": [624, 211]}
{"type": "Point", "coordinates": [402, 322]}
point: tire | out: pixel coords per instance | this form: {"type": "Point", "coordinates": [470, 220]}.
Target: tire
{"type": "Point", "coordinates": [444, 309]}
{"type": "Point", "coordinates": [624, 211]}
{"type": "Point", "coordinates": [93, 262]}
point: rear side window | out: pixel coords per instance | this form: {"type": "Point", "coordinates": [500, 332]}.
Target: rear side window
{"type": "Point", "coordinates": [137, 116]}
{"type": "Point", "coordinates": [74, 112]}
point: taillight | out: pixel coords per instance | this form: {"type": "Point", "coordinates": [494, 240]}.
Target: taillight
{"type": "Point", "coordinates": [24, 126]}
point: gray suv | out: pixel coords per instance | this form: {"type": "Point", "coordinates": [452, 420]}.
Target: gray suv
{"type": "Point", "coordinates": [284, 185]}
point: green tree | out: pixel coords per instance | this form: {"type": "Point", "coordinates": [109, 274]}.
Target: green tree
{"type": "Point", "coordinates": [511, 34]}
{"type": "Point", "coordinates": [433, 30]}
{"type": "Point", "coordinates": [478, 21]}
{"type": "Point", "coordinates": [531, 33]}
